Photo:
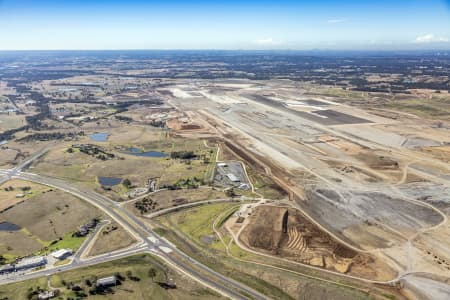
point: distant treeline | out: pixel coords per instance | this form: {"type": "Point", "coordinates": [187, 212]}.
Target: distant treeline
{"type": "Point", "coordinates": [50, 136]}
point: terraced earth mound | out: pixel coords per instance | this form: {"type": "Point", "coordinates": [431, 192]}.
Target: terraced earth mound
{"type": "Point", "coordinates": [286, 233]}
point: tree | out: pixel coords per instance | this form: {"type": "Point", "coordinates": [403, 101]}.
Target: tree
{"type": "Point", "coordinates": [126, 183]}
{"type": "Point", "coordinates": [152, 273]}
{"type": "Point", "coordinates": [230, 192]}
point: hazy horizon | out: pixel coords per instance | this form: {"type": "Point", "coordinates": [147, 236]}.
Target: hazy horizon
{"type": "Point", "coordinates": [225, 25]}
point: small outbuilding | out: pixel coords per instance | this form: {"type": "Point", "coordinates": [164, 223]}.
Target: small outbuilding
{"type": "Point", "coordinates": [107, 281]}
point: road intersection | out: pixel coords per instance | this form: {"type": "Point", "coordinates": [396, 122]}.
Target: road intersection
{"type": "Point", "coordinates": [148, 241]}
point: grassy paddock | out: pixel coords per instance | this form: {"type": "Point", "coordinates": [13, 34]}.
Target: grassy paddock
{"type": "Point", "coordinates": [144, 287]}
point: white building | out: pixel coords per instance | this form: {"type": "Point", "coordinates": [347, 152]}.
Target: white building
{"type": "Point", "coordinates": [244, 186]}
{"type": "Point", "coordinates": [232, 177]}
{"type": "Point", "coordinates": [62, 253]}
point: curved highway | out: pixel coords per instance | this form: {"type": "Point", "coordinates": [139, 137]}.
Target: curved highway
{"type": "Point", "coordinates": [148, 242]}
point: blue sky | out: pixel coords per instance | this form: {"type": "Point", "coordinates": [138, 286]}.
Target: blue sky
{"type": "Point", "coordinates": [302, 25]}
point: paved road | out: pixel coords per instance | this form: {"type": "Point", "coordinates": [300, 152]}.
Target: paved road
{"type": "Point", "coordinates": [88, 241]}
{"type": "Point", "coordinates": [137, 228]}
{"type": "Point", "coordinates": [193, 204]}
{"type": "Point", "coordinates": [9, 173]}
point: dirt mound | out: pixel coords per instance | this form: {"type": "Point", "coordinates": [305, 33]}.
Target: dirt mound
{"type": "Point", "coordinates": [300, 240]}
{"type": "Point", "coordinates": [344, 252]}
{"type": "Point", "coordinates": [268, 232]}
{"type": "Point", "coordinates": [378, 161]}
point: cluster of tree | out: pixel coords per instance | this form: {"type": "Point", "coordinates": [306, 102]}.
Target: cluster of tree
{"type": "Point", "coordinates": [127, 183]}
{"type": "Point", "coordinates": [10, 134]}
{"type": "Point", "coordinates": [22, 188]}
{"type": "Point", "coordinates": [110, 229]}
{"type": "Point", "coordinates": [33, 294]}
{"type": "Point", "coordinates": [93, 151]}
{"type": "Point", "coordinates": [77, 289]}
{"type": "Point", "coordinates": [231, 193]}
{"type": "Point", "coordinates": [35, 121]}
{"type": "Point", "coordinates": [183, 155]}
{"type": "Point", "coordinates": [145, 205]}
{"type": "Point", "coordinates": [85, 229]}
{"type": "Point", "coordinates": [49, 136]}
{"type": "Point", "coordinates": [124, 119]}
{"type": "Point", "coordinates": [189, 183]}
{"type": "Point", "coordinates": [123, 105]}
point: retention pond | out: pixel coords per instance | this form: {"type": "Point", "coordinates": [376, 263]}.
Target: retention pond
{"type": "Point", "coordinates": [138, 152]}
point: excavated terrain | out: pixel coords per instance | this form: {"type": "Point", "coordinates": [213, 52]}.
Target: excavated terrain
{"type": "Point", "coordinates": [286, 233]}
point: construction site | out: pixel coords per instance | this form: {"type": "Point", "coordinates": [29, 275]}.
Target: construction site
{"type": "Point", "coordinates": [345, 172]}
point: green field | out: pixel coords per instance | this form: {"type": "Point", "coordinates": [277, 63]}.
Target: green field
{"type": "Point", "coordinates": [136, 284]}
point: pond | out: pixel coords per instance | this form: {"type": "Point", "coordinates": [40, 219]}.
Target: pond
{"type": "Point", "coordinates": [138, 152]}
{"type": "Point", "coordinates": [6, 226]}
{"type": "Point", "coordinates": [99, 136]}
{"type": "Point", "coordinates": [109, 181]}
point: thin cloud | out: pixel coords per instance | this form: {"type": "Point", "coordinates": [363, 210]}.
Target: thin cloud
{"type": "Point", "coordinates": [336, 21]}
{"type": "Point", "coordinates": [430, 38]}
{"type": "Point", "coordinates": [268, 42]}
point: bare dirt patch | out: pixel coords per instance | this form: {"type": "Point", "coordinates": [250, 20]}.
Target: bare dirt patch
{"type": "Point", "coordinates": [441, 153]}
